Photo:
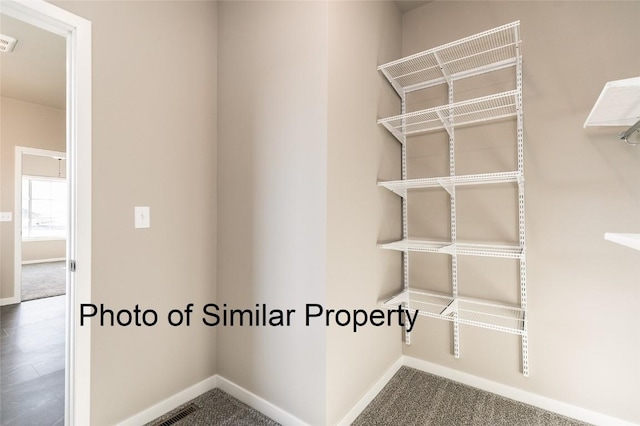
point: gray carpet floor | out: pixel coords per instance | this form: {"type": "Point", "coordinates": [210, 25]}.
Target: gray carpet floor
{"type": "Point", "coordinates": [41, 280]}
{"type": "Point", "coordinates": [218, 408]}
{"type": "Point", "coordinates": [413, 397]}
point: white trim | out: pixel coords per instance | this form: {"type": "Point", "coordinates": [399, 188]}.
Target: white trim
{"type": "Point", "coordinates": [372, 393]}
{"type": "Point", "coordinates": [17, 221]}
{"type": "Point", "coordinates": [281, 416]}
{"type": "Point", "coordinates": [9, 301]}
{"type": "Point", "coordinates": [54, 178]}
{"type": "Point", "coordinates": [77, 32]}
{"type": "Point", "coordinates": [42, 153]}
{"type": "Point", "coordinates": [33, 262]}
{"type": "Point", "coordinates": [536, 400]}
{"type": "Point", "coordinates": [27, 150]}
{"type": "Point", "coordinates": [171, 403]}
{"type": "Point", "coordinates": [254, 401]}
{"type": "Point", "coordinates": [36, 239]}
{"type": "Point", "coordinates": [265, 407]}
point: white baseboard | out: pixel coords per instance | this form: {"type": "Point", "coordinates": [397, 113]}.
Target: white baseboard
{"type": "Point", "coordinates": [372, 393]}
{"type": "Point", "coordinates": [265, 407]}
{"type": "Point", "coordinates": [252, 400]}
{"type": "Point", "coordinates": [31, 262]}
{"type": "Point", "coordinates": [539, 401]}
{"type": "Point", "coordinates": [174, 401]}
{"type": "Point", "coordinates": [9, 301]}
{"type": "Point", "coordinates": [281, 416]}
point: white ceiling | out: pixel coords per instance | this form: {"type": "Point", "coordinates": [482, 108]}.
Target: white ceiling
{"type": "Point", "coordinates": [406, 5]}
{"type": "Point", "coordinates": [35, 71]}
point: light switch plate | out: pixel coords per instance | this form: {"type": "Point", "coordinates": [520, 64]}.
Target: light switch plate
{"type": "Point", "coordinates": [142, 217]}
{"type": "Point", "coordinates": [6, 217]}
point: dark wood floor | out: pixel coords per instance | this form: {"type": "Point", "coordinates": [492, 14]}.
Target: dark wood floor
{"type": "Point", "coordinates": [32, 362]}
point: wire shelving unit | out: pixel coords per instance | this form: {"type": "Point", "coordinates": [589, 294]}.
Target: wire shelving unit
{"type": "Point", "coordinates": [486, 52]}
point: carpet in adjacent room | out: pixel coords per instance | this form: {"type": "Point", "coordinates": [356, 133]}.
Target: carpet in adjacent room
{"type": "Point", "coordinates": [41, 280]}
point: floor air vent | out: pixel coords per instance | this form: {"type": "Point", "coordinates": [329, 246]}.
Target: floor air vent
{"type": "Point", "coordinates": [180, 415]}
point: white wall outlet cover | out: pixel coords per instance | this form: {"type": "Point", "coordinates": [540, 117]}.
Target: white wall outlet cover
{"type": "Point", "coordinates": [142, 217]}
{"type": "Point", "coordinates": [6, 217]}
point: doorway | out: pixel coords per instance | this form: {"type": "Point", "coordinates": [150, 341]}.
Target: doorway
{"type": "Point", "coordinates": [41, 180]}
{"type": "Point", "coordinates": [33, 113]}
{"type": "Point", "coordinates": [76, 33]}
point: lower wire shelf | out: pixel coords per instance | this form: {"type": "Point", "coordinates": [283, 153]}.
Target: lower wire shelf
{"type": "Point", "coordinates": [475, 312]}
{"type": "Point", "coordinates": [400, 187]}
{"type": "Point", "coordinates": [462, 248]}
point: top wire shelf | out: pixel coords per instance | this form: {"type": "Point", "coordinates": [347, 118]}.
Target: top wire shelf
{"type": "Point", "coordinates": [477, 54]}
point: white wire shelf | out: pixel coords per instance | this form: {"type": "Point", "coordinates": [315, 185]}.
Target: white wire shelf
{"type": "Point", "coordinates": [447, 117]}
{"type": "Point", "coordinates": [617, 105]}
{"type": "Point", "coordinates": [477, 54]}
{"type": "Point", "coordinates": [400, 187]}
{"type": "Point", "coordinates": [628, 240]}
{"type": "Point", "coordinates": [479, 313]}
{"type": "Point", "coordinates": [457, 248]}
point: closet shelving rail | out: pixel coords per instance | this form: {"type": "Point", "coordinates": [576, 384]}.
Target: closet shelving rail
{"type": "Point", "coordinates": [485, 52]}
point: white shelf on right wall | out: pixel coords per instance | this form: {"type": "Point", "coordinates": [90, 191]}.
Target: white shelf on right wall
{"type": "Point", "coordinates": [618, 105]}
{"type": "Point", "coordinates": [629, 240]}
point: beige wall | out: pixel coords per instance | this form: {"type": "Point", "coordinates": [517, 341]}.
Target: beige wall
{"type": "Point", "coordinates": [17, 128]}
{"type": "Point", "coordinates": [40, 165]}
{"type": "Point", "coordinates": [272, 196]}
{"type": "Point", "coordinates": [359, 213]}
{"type": "Point", "coordinates": [583, 291]}
{"type": "Point", "coordinates": [294, 162]}
{"type": "Point", "coordinates": [300, 213]}
{"type": "Point", "coordinates": [34, 251]}
{"type": "Point", "coordinates": [154, 144]}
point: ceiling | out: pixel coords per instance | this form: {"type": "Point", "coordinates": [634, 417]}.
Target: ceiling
{"type": "Point", "coordinates": [406, 5]}
{"type": "Point", "coordinates": [36, 69]}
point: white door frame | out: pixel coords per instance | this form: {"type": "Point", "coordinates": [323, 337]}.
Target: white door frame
{"type": "Point", "coordinates": [77, 32]}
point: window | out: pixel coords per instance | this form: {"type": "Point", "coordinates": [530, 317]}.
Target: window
{"type": "Point", "coordinates": [44, 208]}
